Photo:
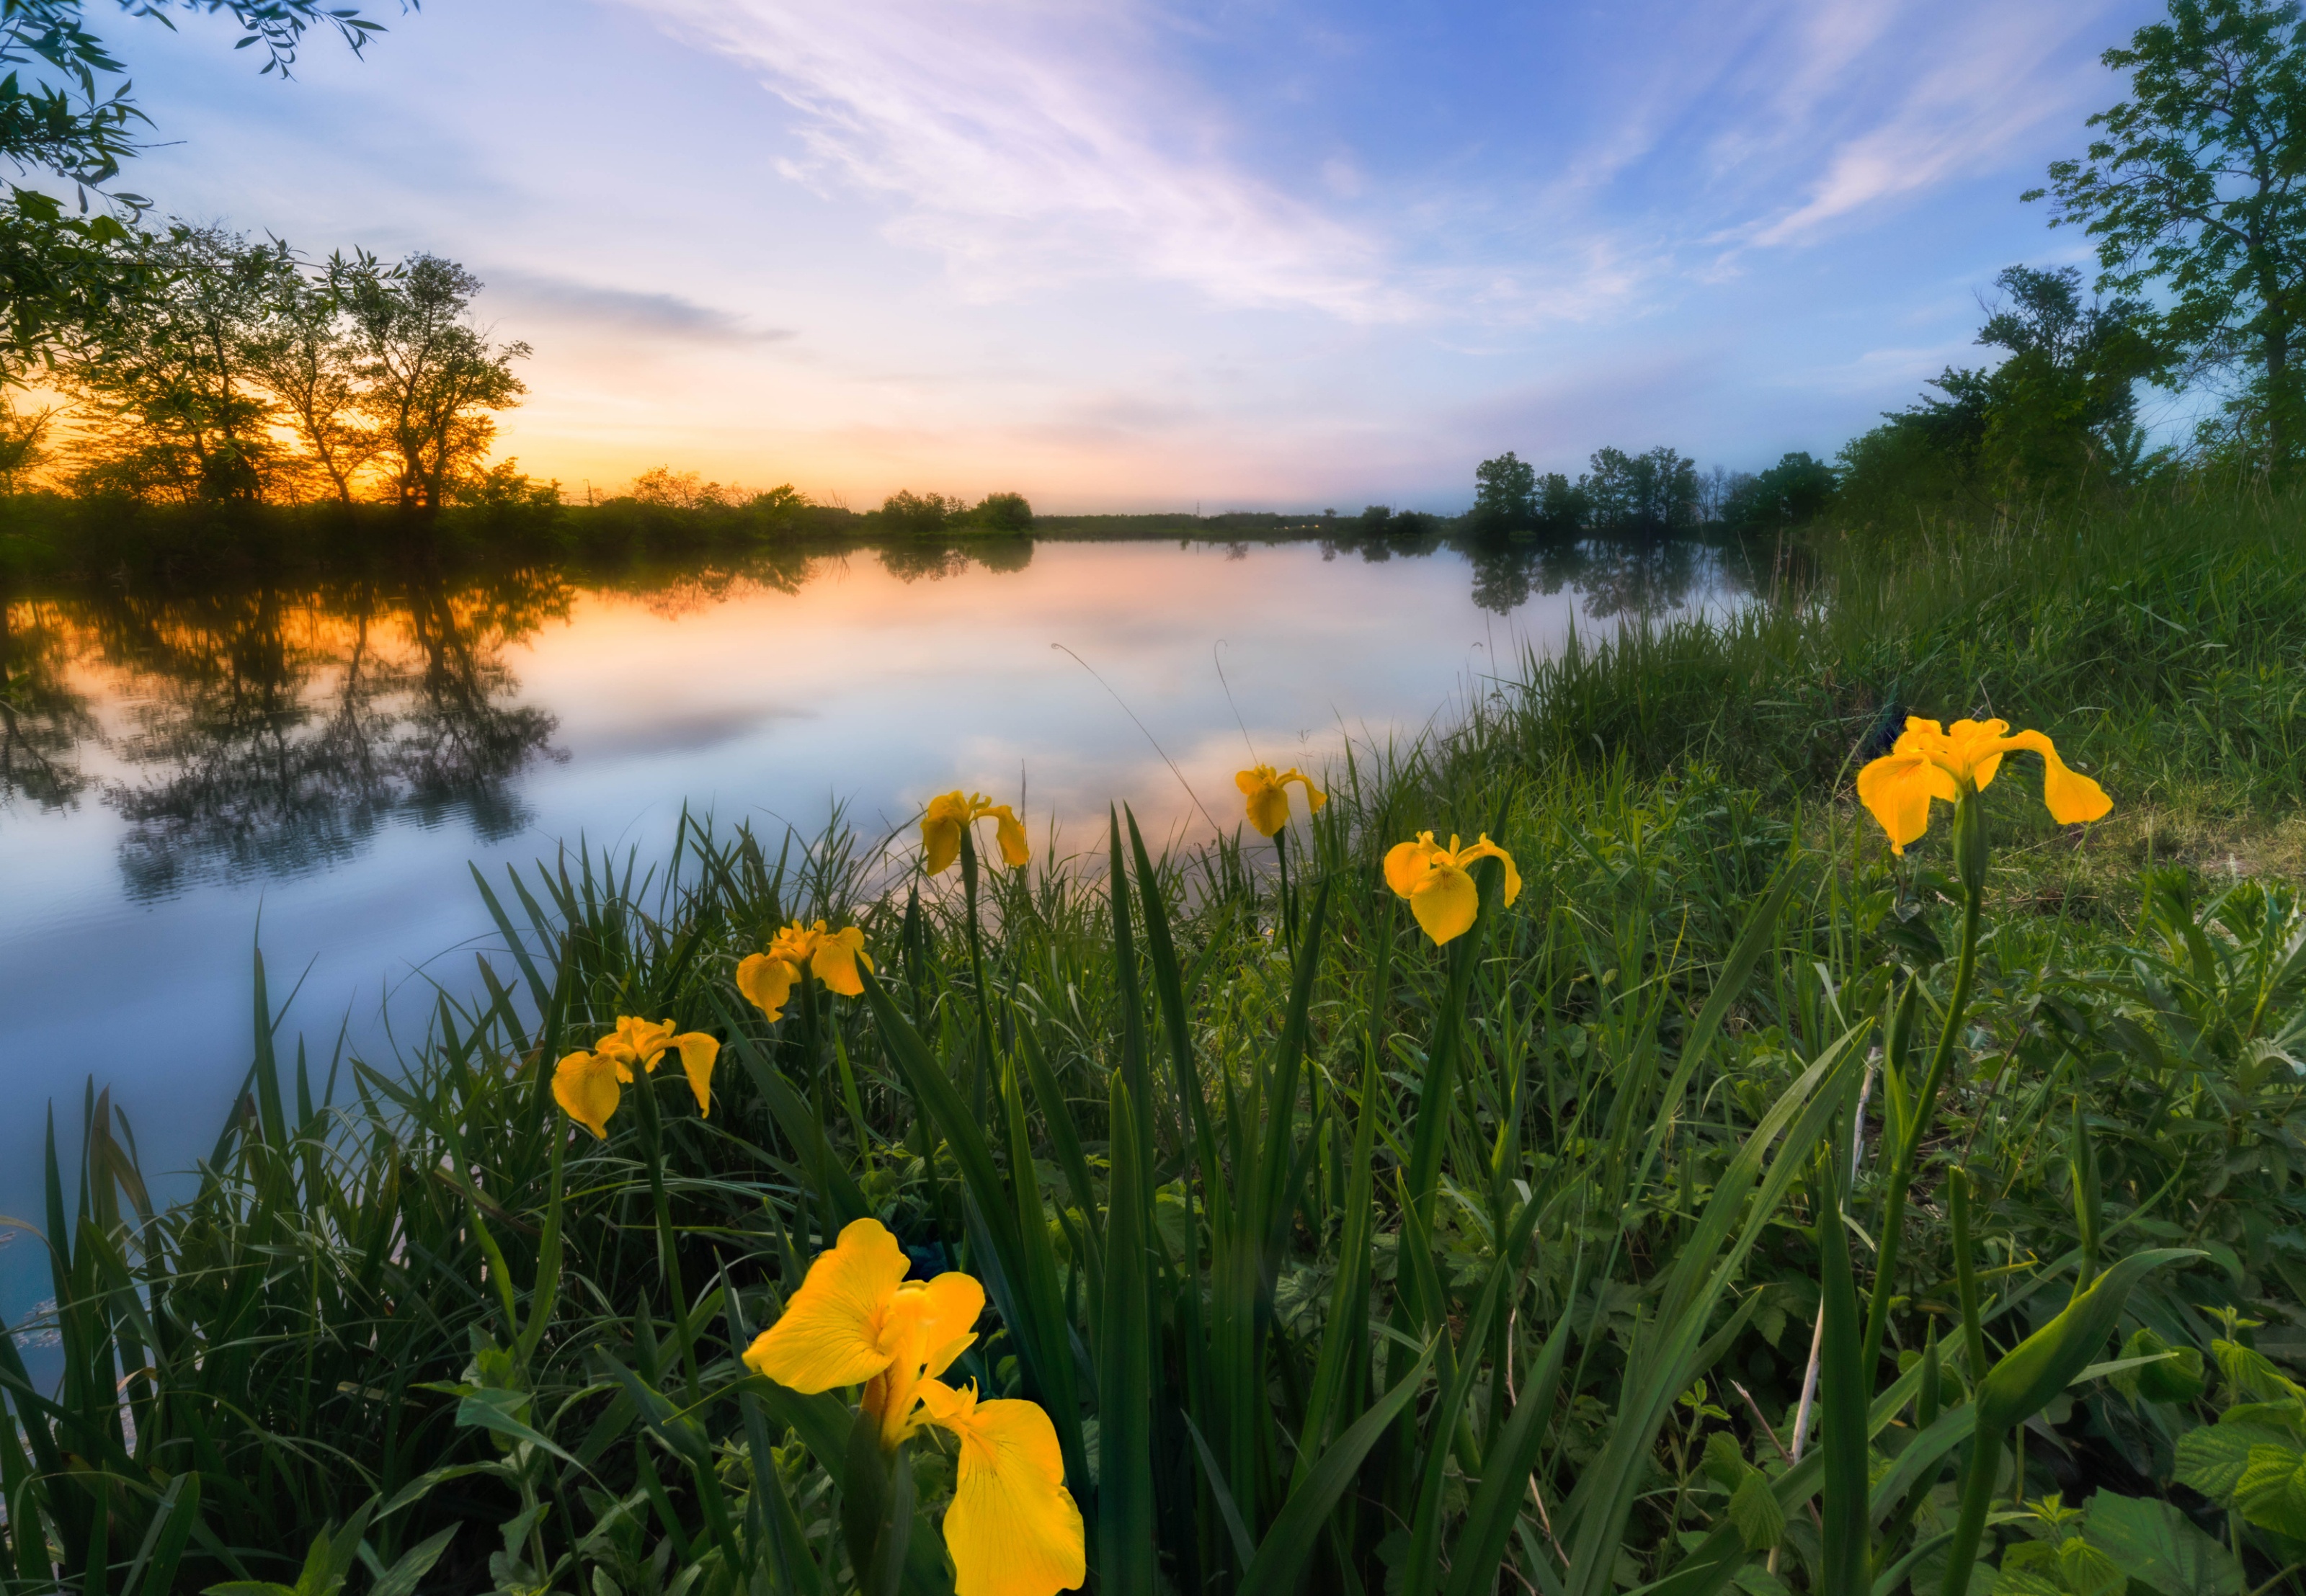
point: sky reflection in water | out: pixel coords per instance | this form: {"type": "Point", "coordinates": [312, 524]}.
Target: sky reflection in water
{"type": "Point", "coordinates": [173, 771]}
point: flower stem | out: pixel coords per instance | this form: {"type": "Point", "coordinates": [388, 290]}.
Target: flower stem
{"type": "Point", "coordinates": [1925, 1101]}
{"type": "Point", "coordinates": [983, 1065]}
{"type": "Point", "coordinates": [1288, 905]}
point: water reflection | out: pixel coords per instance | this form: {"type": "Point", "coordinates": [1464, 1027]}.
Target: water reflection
{"type": "Point", "coordinates": [1615, 576]}
{"type": "Point", "coordinates": [271, 731]}
{"type": "Point", "coordinates": [43, 720]}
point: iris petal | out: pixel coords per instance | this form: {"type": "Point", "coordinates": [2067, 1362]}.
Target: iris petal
{"type": "Point", "coordinates": [767, 982]}
{"type": "Point", "coordinates": [1011, 835]}
{"type": "Point", "coordinates": [928, 1325]}
{"type": "Point", "coordinates": [697, 1053]}
{"type": "Point", "coordinates": [836, 959]}
{"type": "Point", "coordinates": [584, 1085]}
{"type": "Point", "coordinates": [2071, 797]}
{"type": "Point", "coordinates": [829, 1332]}
{"type": "Point", "coordinates": [1406, 863]}
{"type": "Point", "coordinates": [1484, 848]}
{"type": "Point", "coordinates": [1014, 1530]}
{"type": "Point", "coordinates": [1897, 788]}
{"type": "Point", "coordinates": [939, 845]}
{"type": "Point", "coordinates": [1445, 903]}
{"type": "Point", "coordinates": [1268, 809]}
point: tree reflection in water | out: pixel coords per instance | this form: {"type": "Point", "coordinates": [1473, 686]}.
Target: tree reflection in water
{"type": "Point", "coordinates": [274, 730]}
{"type": "Point", "coordinates": [269, 732]}
{"type": "Point", "coordinates": [1614, 575]}
{"type": "Point", "coordinates": [43, 720]}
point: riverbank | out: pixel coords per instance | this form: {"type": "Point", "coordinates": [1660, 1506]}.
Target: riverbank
{"type": "Point", "coordinates": [1380, 1261]}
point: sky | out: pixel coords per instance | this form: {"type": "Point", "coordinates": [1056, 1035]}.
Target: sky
{"type": "Point", "coordinates": [1152, 256]}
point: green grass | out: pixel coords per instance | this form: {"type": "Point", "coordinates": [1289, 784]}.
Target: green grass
{"type": "Point", "coordinates": [1385, 1267]}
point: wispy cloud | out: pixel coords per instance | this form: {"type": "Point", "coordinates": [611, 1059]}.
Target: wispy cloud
{"type": "Point", "coordinates": [654, 315]}
{"type": "Point", "coordinates": [1884, 111]}
{"type": "Point", "coordinates": [1032, 144]}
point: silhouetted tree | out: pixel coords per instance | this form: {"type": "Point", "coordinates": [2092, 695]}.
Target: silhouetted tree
{"type": "Point", "coordinates": [1792, 492]}
{"type": "Point", "coordinates": [1002, 512]}
{"type": "Point", "coordinates": [303, 351]}
{"type": "Point", "coordinates": [1505, 494]}
{"type": "Point", "coordinates": [170, 379]}
{"type": "Point", "coordinates": [910, 514]}
{"type": "Point", "coordinates": [432, 378]}
{"type": "Point", "coordinates": [1651, 494]}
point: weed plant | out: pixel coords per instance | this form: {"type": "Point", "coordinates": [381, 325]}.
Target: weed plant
{"type": "Point", "coordinates": [1741, 1208]}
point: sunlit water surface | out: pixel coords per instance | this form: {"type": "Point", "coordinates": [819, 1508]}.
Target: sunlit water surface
{"type": "Point", "coordinates": [181, 780]}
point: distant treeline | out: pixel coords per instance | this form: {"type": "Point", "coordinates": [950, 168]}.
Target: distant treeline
{"type": "Point", "coordinates": [2055, 420]}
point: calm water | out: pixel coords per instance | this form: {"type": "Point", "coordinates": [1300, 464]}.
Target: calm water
{"type": "Point", "coordinates": [174, 774]}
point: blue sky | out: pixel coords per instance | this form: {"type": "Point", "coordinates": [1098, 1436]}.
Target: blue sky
{"type": "Point", "coordinates": [1146, 255]}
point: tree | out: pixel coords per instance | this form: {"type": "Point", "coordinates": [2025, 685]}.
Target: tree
{"type": "Point", "coordinates": [1789, 493]}
{"type": "Point", "coordinates": [66, 113]}
{"type": "Point", "coordinates": [2058, 414]}
{"type": "Point", "coordinates": [1562, 511]}
{"type": "Point", "coordinates": [908, 514]}
{"type": "Point", "coordinates": [1652, 494]}
{"type": "Point", "coordinates": [1002, 512]}
{"type": "Point", "coordinates": [171, 378]}
{"type": "Point", "coordinates": [303, 350]}
{"type": "Point", "coordinates": [2065, 400]}
{"type": "Point", "coordinates": [432, 378]}
{"type": "Point", "coordinates": [2195, 185]}
{"type": "Point", "coordinates": [667, 488]}
{"type": "Point", "coordinates": [1505, 494]}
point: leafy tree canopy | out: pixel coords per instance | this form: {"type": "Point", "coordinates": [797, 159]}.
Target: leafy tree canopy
{"type": "Point", "coordinates": [68, 116]}
{"type": "Point", "coordinates": [2193, 186]}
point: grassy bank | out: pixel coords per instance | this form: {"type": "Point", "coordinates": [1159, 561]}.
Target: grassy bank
{"type": "Point", "coordinates": [1340, 1261]}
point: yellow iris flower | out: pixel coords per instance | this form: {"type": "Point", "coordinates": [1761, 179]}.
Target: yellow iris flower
{"type": "Point", "coordinates": [589, 1085]}
{"type": "Point", "coordinates": [1435, 880]}
{"type": "Point", "coordinates": [1267, 793]}
{"type": "Point", "coordinates": [768, 978]}
{"type": "Point", "coordinates": [942, 824]}
{"type": "Point", "coordinates": [1929, 760]}
{"type": "Point", "coordinates": [1013, 1529]}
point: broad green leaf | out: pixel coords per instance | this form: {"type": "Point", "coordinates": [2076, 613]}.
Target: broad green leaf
{"type": "Point", "coordinates": [2175, 1377]}
{"type": "Point", "coordinates": [2271, 1492]}
{"type": "Point", "coordinates": [1754, 1509]}
{"type": "Point", "coordinates": [1724, 1464]}
{"type": "Point", "coordinates": [2251, 1372]}
{"type": "Point", "coordinates": [2085, 1571]}
{"type": "Point", "coordinates": [2211, 1459]}
{"type": "Point", "coordinates": [2159, 1546]}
